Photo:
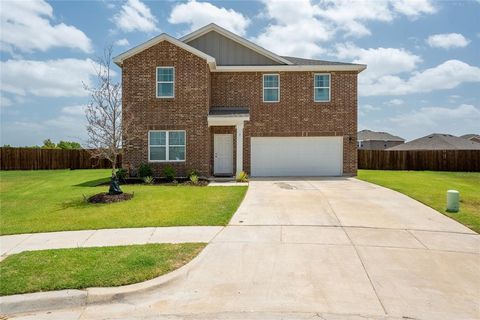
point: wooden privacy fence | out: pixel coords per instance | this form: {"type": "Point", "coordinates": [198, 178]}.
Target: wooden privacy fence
{"type": "Point", "coordinates": [440, 160]}
{"type": "Point", "coordinates": [437, 160]}
{"type": "Point", "coordinates": [47, 159]}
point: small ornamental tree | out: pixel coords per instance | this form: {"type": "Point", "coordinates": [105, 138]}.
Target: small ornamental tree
{"type": "Point", "coordinates": [104, 116]}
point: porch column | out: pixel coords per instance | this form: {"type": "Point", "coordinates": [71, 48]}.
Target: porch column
{"type": "Point", "coordinates": [239, 149]}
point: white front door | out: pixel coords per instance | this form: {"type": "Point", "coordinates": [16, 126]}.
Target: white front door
{"type": "Point", "coordinates": [223, 154]}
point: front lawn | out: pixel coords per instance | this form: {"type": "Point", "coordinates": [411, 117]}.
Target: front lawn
{"type": "Point", "coordinates": [430, 188]}
{"type": "Point", "coordinates": [52, 200]}
{"type": "Point", "coordinates": [80, 268]}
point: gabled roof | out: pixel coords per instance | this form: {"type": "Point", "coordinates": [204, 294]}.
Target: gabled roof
{"type": "Point", "coordinates": [252, 46]}
{"type": "Point", "coordinates": [298, 64]}
{"type": "Point", "coordinates": [163, 37]}
{"type": "Point", "coordinates": [438, 141]}
{"type": "Point", "coordinates": [471, 136]}
{"type": "Point", "coordinates": [366, 135]}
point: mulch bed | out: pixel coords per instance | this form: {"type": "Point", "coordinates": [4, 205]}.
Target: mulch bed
{"type": "Point", "coordinates": [165, 182]}
{"type": "Point", "coordinates": [104, 197]}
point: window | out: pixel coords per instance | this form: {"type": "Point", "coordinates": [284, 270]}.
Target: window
{"type": "Point", "coordinates": [166, 146]}
{"type": "Point", "coordinates": [165, 82]}
{"type": "Point", "coordinates": [271, 88]}
{"type": "Point", "coordinates": [321, 87]}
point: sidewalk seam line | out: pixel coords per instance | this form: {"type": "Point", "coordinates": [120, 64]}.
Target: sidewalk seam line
{"type": "Point", "coordinates": [413, 235]}
{"type": "Point", "coordinates": [358, 256]}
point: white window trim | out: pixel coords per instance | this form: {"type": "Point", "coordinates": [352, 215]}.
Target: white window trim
{"type": "Point", "coordinates": [329, 87]}
{"type": "Point", "coordinates": [158, 82]}
{"type": "Point", "coordinates": [263, 87]}
{"type": "Point", "coordinates": [167, 146]}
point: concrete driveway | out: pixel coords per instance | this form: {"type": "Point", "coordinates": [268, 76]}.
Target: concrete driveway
{"type": "Point", "coordinates": [333, 248]}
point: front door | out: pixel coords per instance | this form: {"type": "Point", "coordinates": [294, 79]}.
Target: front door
{"type": "Point", "coordinates": [223, 154]}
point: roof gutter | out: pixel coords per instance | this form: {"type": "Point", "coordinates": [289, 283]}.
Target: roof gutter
{"type": "Point", "coordinates": [288, 68]}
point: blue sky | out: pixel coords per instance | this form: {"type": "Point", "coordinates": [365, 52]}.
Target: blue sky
{"type": "Point", "coordinates": [423, 71]}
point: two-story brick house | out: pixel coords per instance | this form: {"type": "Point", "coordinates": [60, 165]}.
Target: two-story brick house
{"type": "Point", "coordinates": [217, 103]}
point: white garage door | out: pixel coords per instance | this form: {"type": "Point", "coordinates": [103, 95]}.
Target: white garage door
{"type": "Point", "coordinates": [296, 156]}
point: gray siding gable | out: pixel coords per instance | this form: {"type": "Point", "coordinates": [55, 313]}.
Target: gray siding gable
{"type": "Point", "coordinates": [228, 52]}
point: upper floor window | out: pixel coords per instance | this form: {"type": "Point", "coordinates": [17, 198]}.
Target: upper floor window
{"type": "Point", "coordinates": [271, 88]}
{"type": "Point", "coordinates": [321, 87]}
{"type": "Point", "coordinates": [165, 82]}
{"type": "Point", "coordinates": [166, 145]}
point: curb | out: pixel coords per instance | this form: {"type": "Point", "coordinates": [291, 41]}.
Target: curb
{"type": "Point", "coordinates": [40, 301]}
{"type": "Point", "coordinates": [71, 298]}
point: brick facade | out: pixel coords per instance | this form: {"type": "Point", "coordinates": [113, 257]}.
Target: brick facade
{"type": "Point", "coordinates": [296, 114]}
{"type": "Point", "coordinates": [187, 111]}
{"type": "Point", "coordinates": [196, 89]}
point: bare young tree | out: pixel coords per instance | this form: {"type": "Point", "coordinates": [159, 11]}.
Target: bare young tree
{"type": "Point", "coordinates": [104, 112]}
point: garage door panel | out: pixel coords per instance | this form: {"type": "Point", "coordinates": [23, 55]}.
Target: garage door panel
{"type": "Point", "coordinates": [296, 156]}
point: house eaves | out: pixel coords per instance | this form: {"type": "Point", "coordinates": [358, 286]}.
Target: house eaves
{"type": "Point", "coordinates": [278, 68]}
{"type": "Point", "coordinates": [252, 46]}
{"type": "Point", "coordinates": [164, 37]}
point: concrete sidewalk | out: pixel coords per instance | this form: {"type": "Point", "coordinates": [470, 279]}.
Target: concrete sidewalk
{"type": "Point", "coordinates": [105, 237]}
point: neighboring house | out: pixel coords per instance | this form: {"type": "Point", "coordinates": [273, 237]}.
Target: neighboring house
{"type": "Point", "coordinates": [372, 140]}
{"type": "Point", "coordinates": [471, 137]}
{"type": "Point", "coordinates": [438, 141]}
{"type": "Point", "coordinates": [217, 103]}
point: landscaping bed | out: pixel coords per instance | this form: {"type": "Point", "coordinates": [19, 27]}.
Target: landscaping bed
{"type": "Point", "coordinates": [55, 200]}
{"type": "Point", "coordinates": [430, 188]}
{"type": "Point", "coordinates": [80, 268]}
{"type": "Point", "coordinates": [165, 182]}
{"type": "Point", "coordinates": [105, 197]}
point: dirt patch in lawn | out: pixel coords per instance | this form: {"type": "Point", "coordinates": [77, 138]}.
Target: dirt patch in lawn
{"type": "Point", "coordinates": [109, 198]}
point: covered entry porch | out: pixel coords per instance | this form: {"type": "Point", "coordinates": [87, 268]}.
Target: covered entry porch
{"type": "Point", "coordinates": [226, 128]}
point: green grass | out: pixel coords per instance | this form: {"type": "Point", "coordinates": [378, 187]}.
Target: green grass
{"type": "Point", "coordinates": [79, 268]}
{"type": "Point", "coordinates": [430, 188]}
{"type": "Point", "coordinates": [52, 200]}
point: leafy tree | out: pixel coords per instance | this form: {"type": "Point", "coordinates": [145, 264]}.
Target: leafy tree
{"type": "Point", "coordinates": [69, 145]}
{"type": "Point", "coordinates": [49, 144]}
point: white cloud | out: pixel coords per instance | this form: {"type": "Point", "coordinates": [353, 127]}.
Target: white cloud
{"type": "Point", "coordinates": [122, 42]}
{"type": "Point", "coordinates": [386, 65]}
{"type": "Point", "coordinates": [301, 27]}
{"type": "Point", "coordinates": [199, 14]}
{"type": "Point", "coordinates": [5, 102]}
{"type": "Point", "coordinates": [427, 120]}
{"type": "Point", "coordinates": [380, 61]}
{"type": "Point", "coordinates": [447, 75]}
{"type": "Point", "coordinates": [279, 38]}
{"type": "Point", "coordinates": [50, 78]}
{"type": "Point", "coordinates": [73, 125]}
{"type": "Point", "coordinates": [386, 69]}
{"type": "Point", "coordinates": [395, 102]}
{"type": "Point", "coordinates": [350, 16]}
{"type": "Point", "coordinates": [78, 110]}
{"type": "Point", "coordinates": [414, 8]}
{"type": "Point", "coordinates": [27, 26]}
{"type": "Point", "coordinates": [135, 16]}
{"type": "Point", "coordinates": [295, 29]}
{"type": "Point", "coordinates": [447, 41]}
{"type": "Point", "coordinates": [368, 108]}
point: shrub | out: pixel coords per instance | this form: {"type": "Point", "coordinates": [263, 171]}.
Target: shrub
{"type": "Point", "coordinates": [121, 174]}
{"type": "Point", "coordinates": [192, 172]}
{"type": "Point", "coordinates": [194, 178]}
{"type": "Point", "coordinates": [145, 170]}
{"type": "Point", "coordinates": [169, 172]}
{"type": "Point", "coordinates": [148, 180]}
{"type": "Point", "coordinates": [242, 177]}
